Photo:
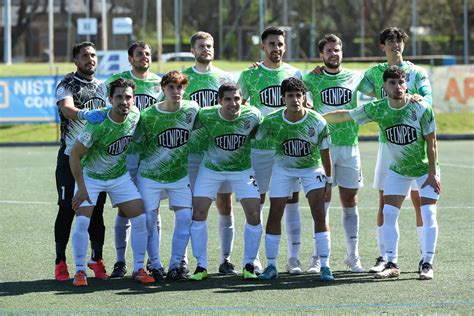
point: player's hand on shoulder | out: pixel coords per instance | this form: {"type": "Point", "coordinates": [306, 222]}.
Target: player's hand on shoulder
{"type": "Point", "coordinates": [255, 64]}
{"type": "Point", "coordinates": [317, 70]}
{"type": "Point", "coordinates": [416, 98]}
{"type": "Point", "coordinates": [92, 116]}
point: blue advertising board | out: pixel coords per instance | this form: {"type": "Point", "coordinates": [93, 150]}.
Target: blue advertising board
{"type": "Point", "coordinates": [29, 99]}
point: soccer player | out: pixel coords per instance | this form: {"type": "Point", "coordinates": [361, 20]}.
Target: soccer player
{"type": "Point", "coordinates": [204, 82]}
{"type": "Point", "coordinates": [392, 42]}
{"type": "Point", "coordinates": [410, 132]}
{"type": "Point", "coordinates": [336, 88]}
{"type": "Point", "coordinates": [229, 127]}
{"type": "Point", "coordinates": [302, 154]}
{"type": "Point", "coordinates": [98, 164]}
{"type": "Point", "coordinates": [78, 96]}
{"type": "Point", "coordinates": [162, 141]}
{"type": "Point", "coordinates": [261, 88]}
{"type": "Point", "coordinates": [147, 92]}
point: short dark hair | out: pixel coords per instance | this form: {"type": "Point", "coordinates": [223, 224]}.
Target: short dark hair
{"type": "Point", "coordinates": [120, 83]}
{"type": "Point", "coordinates": [227, 86]}
{"type": "Point", "coordinates": [391, 33]}
{"type": "Point", "coordinates": [76, 49]}
{"type": "Point", "coordinates": [394, 72]}
{"type": "Point", "coordinates": [136, 44]}
{"type": "Point", "coordinates": [328, 38]}
{"type": "Point", "coordinates": [175, 77]}
{"type": "Point", "coordinates": [200, 35]}
{"type": "Point", "coordinates": [293, 84]}
{"type": "Point", "coordinates": [272, 30]}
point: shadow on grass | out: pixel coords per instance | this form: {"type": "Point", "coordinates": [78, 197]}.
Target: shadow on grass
{"type": "Point", "coordinates": [220, 284]}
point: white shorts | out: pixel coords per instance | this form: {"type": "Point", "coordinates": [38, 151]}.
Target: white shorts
{"type": "Point", "coordinates": [120, 190]}
{"type": "Point", "coordinates": [284, 179]}
{"type": "Point", "coordinates": [153, 192]}
{"type": "Point", "coordinates": [194, 160]}
{"type": "Point", "coordinates": [382, 167]}
{"type": "Point", "coordinates": [346, 167]}
{"type": "Point", "coordinates": [396, 184]}
{"type": "Point", "coordinates": [262, 164]}
{"type": "Point", "coordinates": [243, 183]}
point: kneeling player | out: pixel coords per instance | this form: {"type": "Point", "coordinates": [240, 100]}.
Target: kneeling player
{"type": "Point", "coordinates": [300, 137]}
{"type": "Point", "coordinates": [410, 130]}
{"type": "Point", "coordinates": [102, 150]}
{"type": "Point", "coordinates": [227, 159]}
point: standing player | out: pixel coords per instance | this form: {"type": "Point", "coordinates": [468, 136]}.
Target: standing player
{"type": "Point", "coordinates": [77, 96]}
{"type": "Point", "coordinates": [261, 88]}
{"type": "Point", "coordinates": [204, 82]}
{"type": "Point", "coordinates": [98, 164]}
{"type": "Point", "coordinates": [392, 42]}
{"type": "Point", "coordinates": [410, 132]}
{"type": "Point", "coordinates": [227, 159]}
{"type": "Point", "coordinates": [162, 141]}
{"type": "Point", "coordinates": [334, 89]}
{"type": "Point", "coordinates": [302, 154]}
{"type": "Point", "coordinates": [146, 93]}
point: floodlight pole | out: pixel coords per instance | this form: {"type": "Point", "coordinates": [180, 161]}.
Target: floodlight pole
{"type": "Point", "coordinates": [159, 34]}
{"type": "Point", "coordinates": [413, 24]}
{"type": "Point", "coordinates": [7, 33]}
{"type": "Point", "coordinates": [51, 35]}
{"type": "Point", "coordinates": [104, 25]}
{"type": "Point", "coordinates": [466, 35]}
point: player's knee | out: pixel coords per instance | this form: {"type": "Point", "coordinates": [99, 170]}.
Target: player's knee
{"type": "Point", "coordinates": [428, 214]}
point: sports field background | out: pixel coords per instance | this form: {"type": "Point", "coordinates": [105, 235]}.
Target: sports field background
{"type": "Point", "coordinates": [27, 286]}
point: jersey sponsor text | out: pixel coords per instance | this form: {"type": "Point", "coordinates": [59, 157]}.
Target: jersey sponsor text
{"type": "Point", "coordinates": [119, 146]}
{"type": "Point", "coordinates": [336, 96]}
{"type": "Point", "coordinates": [271, 96]}
{"type": "Point", "coordinates": [230, 142]}
{"type": "Point", "coordinates": [204, 97]}
{"type": "Point", "coordinates": [142, 101]}
{"type": "Point", "coordinates": [173, 137]}
{"type": "Point", "coordinates": [401, 134]}
{"type": "Point", "coordinates": [296, 148]}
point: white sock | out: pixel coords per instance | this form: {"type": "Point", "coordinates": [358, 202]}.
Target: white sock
{"type": "Point", "coordinates": [226, 234]}
{"type": "Point", "coordinates": [420, 232]}
{"type": "Point", "coordinates": [122, 235]}
{"type": "Point", "coordinates": [139, 238]}
{"type": "Point", "coordinates": [272, 244]}
{"type": "Point", "coordinates": [381, 243]}
{"type": "Point", "coordinates": [322, 241]}
{"type": "Point", "coordinates": [252, 237]}
{"type": "Point", "coordinates": [153, 244]}
{"type": "Point", "coordinates": [80, 242]}
{"type": "Point", "coordinates": [183, 219]}
{"type": "Point", "coordinates": [293, 229]}
{"type": "Point", "coordinates": [350, 221]}
{"type": "Point", "coordinates": [199, 242]}
{"type": "Point", "coordinates": [430, 229]}
{"type": "Point", "coordinates": [391, 232]}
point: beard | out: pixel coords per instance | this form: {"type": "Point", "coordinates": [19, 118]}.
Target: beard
{"type": "Point", "coordinates": [332, 64]}
{"type": "Point", "coordinates": [87, 71]}
{"type": "Point", "coordinates": [204, 60]}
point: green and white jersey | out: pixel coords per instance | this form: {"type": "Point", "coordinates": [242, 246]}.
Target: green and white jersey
{"type": "Point", "coordinates": [297, 144]}
{"type": "Point", "coordinates": [107, 143]}
{"type": "Point", "coordinates": [417, 82]}
{"type": "Point", "coordinates": [147, 91]}
{"type": "Point", "coordinates": [332, 92]}
{"type": "Point", "coordinates": [261, 87]}
{"type": "Point", "coordinates": [229, 141]}
{"type": "Point", "coordinates": [162, 140]}
{"type": "Point", "coordinates": [203, 88]}
{"type": "Point", "coordinates": [403, 130]}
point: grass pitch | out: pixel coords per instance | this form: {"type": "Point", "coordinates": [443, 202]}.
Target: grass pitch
{"type": "Point", "coordinates": [28, 208]}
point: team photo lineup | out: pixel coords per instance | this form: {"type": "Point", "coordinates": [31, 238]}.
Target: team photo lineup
{"type": "Point", "coordinates": [273, 136]}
